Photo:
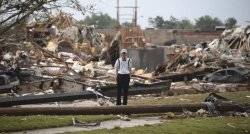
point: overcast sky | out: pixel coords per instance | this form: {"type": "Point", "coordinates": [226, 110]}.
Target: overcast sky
{"type": "Point", "coordinates": [192, 9]}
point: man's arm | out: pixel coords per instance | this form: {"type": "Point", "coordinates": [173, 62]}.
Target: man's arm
{"type": "Point", "coordinates": [130, 66]}
{"type": "Point", "coordinates": [116, 66]}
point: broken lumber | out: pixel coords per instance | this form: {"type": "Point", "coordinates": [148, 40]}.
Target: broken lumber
{"type": "Point", "coordinates": [110, 91]}
{"type": "Point", "coordinates": [5, 90]}
{"type": "Point", "coordinates": [161, 87]}
{"type": "Point", "coordinates": [113, 110]}
{"type": "Point", "coordinates": [186, 76]}
{"type": "Point", "coordinates": [35, 99]}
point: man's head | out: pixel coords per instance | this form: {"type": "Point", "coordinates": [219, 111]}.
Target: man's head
{"type": "Point", "coordinates": [124, 53]}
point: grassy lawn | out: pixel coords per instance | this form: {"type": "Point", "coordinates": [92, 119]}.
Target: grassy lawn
{"type": "Point", "coordinates": [239, 97]}
{"type": "Point", "coordinates": [215, 125]}
{"type": "Point", "coordinates": [20, 123]}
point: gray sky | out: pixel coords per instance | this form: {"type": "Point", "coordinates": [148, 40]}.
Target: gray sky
{"type": "Point", "coordinates": [240, 9]}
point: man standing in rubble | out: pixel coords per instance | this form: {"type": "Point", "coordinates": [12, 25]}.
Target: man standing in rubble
{"type": "Point", "coordinates": [123, 67]}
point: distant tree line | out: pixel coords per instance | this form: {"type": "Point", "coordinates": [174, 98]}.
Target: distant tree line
{"type": "Point", "coordinates": [204, 23]}
{"type": "Point", "coordinates": [100, 21]}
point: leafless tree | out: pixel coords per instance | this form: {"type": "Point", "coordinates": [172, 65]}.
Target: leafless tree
{"type": "Point", "coordinates": [12, 12]}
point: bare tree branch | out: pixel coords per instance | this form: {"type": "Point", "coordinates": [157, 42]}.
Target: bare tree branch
{"type": "Point", "coordinates": [14, 11]}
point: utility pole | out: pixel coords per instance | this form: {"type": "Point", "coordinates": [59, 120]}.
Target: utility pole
{"type": "Point", "coordinates": [118, 13]}
{"type": "Point", "coordinates": [134, 8]}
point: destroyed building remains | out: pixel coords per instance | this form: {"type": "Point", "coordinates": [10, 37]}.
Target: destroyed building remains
{"type": "Point", "coordinates": [65, 61]}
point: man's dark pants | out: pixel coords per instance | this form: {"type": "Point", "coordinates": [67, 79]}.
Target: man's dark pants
{"type": "Point", "coordinates": [122, 87]}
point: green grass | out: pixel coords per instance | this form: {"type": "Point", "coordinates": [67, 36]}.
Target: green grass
{"type": "Point", "coordinates": [239, 97]}
{"type": "Point", "coordinates": [20, 123]}
{"type": "Point", "coordinates": [215, 125]}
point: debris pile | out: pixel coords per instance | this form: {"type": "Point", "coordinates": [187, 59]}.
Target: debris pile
{"type": "Point", "coordinates": [238, 38]}
{"type": "Point", "coordinates": [60, 56]}
{"type": "Point", "coordinates": [230, 50]}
